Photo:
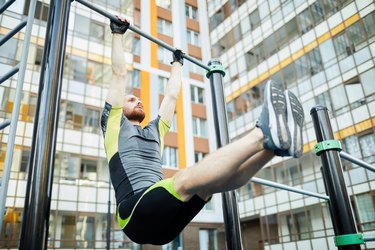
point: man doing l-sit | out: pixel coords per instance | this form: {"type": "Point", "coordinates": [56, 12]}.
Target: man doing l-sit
{"type": "Point", "coordinates": [151, 210]}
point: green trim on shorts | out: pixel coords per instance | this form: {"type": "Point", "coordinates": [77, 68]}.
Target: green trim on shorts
{"type": "Point", "coordinates": [167, 184]}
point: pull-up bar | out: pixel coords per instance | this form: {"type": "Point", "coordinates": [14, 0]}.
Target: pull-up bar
{"type": "Point", "coordinates": [140, 32]}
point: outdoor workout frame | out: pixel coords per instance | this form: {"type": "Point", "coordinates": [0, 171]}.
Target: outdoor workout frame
{"type": "Point", "coordinates": [39, 186]}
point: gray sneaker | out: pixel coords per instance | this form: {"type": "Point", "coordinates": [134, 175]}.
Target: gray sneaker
{"type": "Point", "coordinates": [273, 120]}
{"type": "Point", "coordinates": [295, 118]}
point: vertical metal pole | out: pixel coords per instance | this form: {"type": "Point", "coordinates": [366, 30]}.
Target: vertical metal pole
{"type": "Point", "coordinates": [38, 199]}
{"type": "Point", "coordinates": [339, 203]}
{"type": "Point", "coordinates": [230, 209]}
{"type": "Point", "coordinates": [16, 111]}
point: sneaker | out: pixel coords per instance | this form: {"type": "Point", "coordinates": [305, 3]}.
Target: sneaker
{"type": "Point", "coordinates": [295, 118]}
{"type": "Point", "coordinates": [273, 120]}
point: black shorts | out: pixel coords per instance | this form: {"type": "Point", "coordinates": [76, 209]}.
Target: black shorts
{"type": "Point", "coordinates": [157, 215]}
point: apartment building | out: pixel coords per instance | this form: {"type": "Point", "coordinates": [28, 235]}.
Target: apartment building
{"type": "Point", "coordinates": [322, 50]}
{"type": "Point", "coordinates": [81, 186]}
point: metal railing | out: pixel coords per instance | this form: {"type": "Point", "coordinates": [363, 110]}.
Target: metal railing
{"type": "Point", "coordinates": [21, 69]}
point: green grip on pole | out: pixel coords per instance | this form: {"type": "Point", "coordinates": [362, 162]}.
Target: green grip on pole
{"type": "Point", "coordinates": [216, 69]}
{"type": "Point", "coordinates": [349, 239]}
{"type": "Point", "coordinates": [327, 145]}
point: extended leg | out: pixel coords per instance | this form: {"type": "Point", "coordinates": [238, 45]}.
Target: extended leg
{"type": "Point", "coordinates": [249, 168]}
{"type": "Point", "coordinates": [216, 169]}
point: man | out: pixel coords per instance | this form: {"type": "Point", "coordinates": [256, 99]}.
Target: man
{"type": "Point", "coordinates": [152, 210]}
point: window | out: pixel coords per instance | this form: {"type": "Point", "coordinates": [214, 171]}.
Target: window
{"type": "Point", "coordinates": [31, 108]}
{"type": "Point", "coordinates": [25, 160]}
{"type": "Point", "coordinates": [356, 35]}
{"type": "Point", "coordinates": [71, 115]}
{"type": "Point", "coordinates": [299, 225]}
{"type": "Point", "coordinates": [91, 120]}
{"type": "Point", "coordinates": [198, 156]}
{"type": "Point", "coordinates": [166, 4]}
{"type": "Point", "coordinates": [254, 19]}
{"type": "Point", "coordinates": [355, 93]}
{"type": "Point", "coordinates": [291, 30]}
{"type": "Point", "coordinates": [136, 48]}
{"type": "Point", "coordinates": [137, 18]}
{"type": "Point", "coordinates": [94, 73]}
{"type": "Point", "coordinates": [369, 22]}
{"type": "Point", "coordinates": [38, 55]}
{"type": "Point", "coordinates": [367, 79]}
{"type": "Point", "coordinates": [96, 30]}
{"type": "Point", "coordinates": [193, 37]}
{"type": "Point", "coordinates": [351, 146]}
{"type": "Point", "coordinates": [208, 239]}
{"type": "Point", "coordinates": [164, 27]}
{"type": "Point", "coordinates": [365, 211]}
{"type": "Point", "coordinates": [270, 45]}
{"type": "Point", "coordinates": [170, 156]}
{"type": "Point", "coordinates": [216, 19]}
{"type": "Point", "coordinates": [136, 79]}
{"type": "Point", "coordinates": [67, 166]}
{"type": "Point", "coordinates": [199, 127]}
{"type": "Point", "coordinates": [88, 169]}
{"type": "Point", "coordinates": [164, 55]}
{"type": "Point", "coordinates": [315, 61]}
{"type": "Point", "coordinates": [339, 99]}
{"type": "Point", "coordinates": [306, 22]}
{"type": "Point", "coordinates": [173, 127]}
{"type": "Point", "coordinates": [191, 12]}
{"type": "Point", "coordinates": [255, 56]}
{"type": "Point", "coordinates": [162, 84]}
{"type": "Point", "coordinates": [68, 232]}
{"type": "Point", "coordinates": [197, 94]}
{"type": "Point", "coordinates": [317, 12]}
{"type": "Point", "coordinates": [271, 229]}
{"type": "Point", "coordinates": [367, 143]}
{"type": "Point", "coordinates": [41, 10]}
{"type": "Point", "coordinates": [8, 51]}
{"type": "Point", "coordinates": [85, 231]}
{"type": "Point", "coordinates": [75, 68]}
{"type": "Point", "coordinates": [342, 46]}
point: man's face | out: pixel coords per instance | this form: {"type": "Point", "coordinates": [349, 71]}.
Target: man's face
{"type": "Point", "coordinates": [133, 108]}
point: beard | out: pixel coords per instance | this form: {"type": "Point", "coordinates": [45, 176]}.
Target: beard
{"type": "Point", "coordinates": [135, 115]}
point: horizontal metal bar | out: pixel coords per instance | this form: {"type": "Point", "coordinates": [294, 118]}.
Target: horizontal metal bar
{"type": "Point", "coordinates": [369, 238]}
{"type": "Point", "coordinates": [12, 32]}
{"type": "Point", "coordinates": [288, 188]}
{"type": "Point", "coordinates": [4, 124]}
{"type": "Point", "coordinates": [9, 74]}
{"type": "Point", "coordinates": [6, 5]}
{"type": "Point", "coordinates": [359, 162]}
{"type": "Point", "coordinates": [140, 32]}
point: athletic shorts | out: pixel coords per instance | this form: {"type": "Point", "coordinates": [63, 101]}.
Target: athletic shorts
{"type": "Point", "coordinates": [157, 215]}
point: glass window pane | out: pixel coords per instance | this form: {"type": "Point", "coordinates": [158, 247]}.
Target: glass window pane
{"type": "Point", "coordinates": [85, 234]}
{"type": "Point", "coordinates": [339, 99]}
{"type": "Point", "coordinates": [369, 22]}
{"type": "Point", "coordinates": [270, 45]}
{"type": "Point", "coordinates": [97, 30]}
{"type": "Point", "coordinates": [82, 25]}
{"type": "Point", "coordinates": [254, 19]}
{"type": "Point", "coordinates": [305, 21]}
{"type": "Point", "coordinates": [317, 12]}
{"type": "Point", "coordinates": [342, 46]}
{"type": "Point", "coordinates": [367, 80]}
{"type": "Point", "coordinates": [328, 52]}
{"type": "Point", "coordinates": [356, 34]}
{"type": "Point", "coordinates": [291, 29]}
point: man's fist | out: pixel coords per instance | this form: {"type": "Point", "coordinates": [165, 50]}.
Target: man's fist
{"type": "Point", "coordinates": [177, 56]}
{"type": "Point", "coordinates": [119, 28]}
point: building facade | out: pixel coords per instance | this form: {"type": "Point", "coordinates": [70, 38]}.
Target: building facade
{"type": "Point", "coordinates": [322, 50]}
{"type": "Point", "coordinates": [81, 187]}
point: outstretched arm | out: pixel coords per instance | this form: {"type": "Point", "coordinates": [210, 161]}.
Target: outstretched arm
{"type": "Point", "coordinates": [119, 86]}
{"type": "Point", "coordinates": [168, 105]}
